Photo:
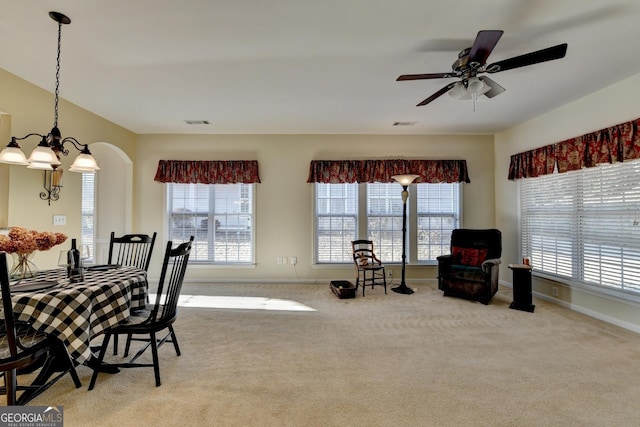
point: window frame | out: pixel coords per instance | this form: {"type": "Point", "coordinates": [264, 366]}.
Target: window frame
{"type": "Point", "coordinates": [211, 231]}
{"type": "Point", "coordinates": [363, 219]}
{"type": "Point", "coordinates": [582, 220]}
{"type": "Point", "coordinates": [347, 204]}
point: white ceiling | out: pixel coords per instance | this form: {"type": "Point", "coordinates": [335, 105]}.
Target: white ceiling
{"type": "Point", "coordinates": [302, 66]}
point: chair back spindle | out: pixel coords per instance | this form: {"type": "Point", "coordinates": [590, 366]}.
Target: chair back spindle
{"type": "Point", "coordinates": [133, 250]}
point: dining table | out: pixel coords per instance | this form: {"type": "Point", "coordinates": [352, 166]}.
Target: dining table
{"type": "Point", "coordinates": [76, 311]}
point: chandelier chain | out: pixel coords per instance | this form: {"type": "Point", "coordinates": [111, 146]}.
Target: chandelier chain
{"type": "Point", "coordinates": [57, 91]}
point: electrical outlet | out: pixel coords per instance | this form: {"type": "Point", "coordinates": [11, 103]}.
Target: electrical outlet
{"type": "Point", "coordinates": [285, 260]}
{"type": "Point", "coordinates": [554, 291]}
{"type": "Point", "coordinates": [59, 220]}
{"type": "Point", "coordinates": [389, 274]}
{"type": "Point", "coordinates": [279, 259]}
{"type": "Point", "coordinates": [294, 260]}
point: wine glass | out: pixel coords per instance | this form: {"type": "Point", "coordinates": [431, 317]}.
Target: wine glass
{"type": "Point", "coordinates": [65, 259]}
{"type": "Point", "coordinates": [85, 254]}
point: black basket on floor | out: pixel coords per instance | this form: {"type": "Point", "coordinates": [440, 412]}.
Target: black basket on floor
{"type": "Point", "coordinates": [343, 289]}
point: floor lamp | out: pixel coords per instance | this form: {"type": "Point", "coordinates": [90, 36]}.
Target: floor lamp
{"type": "Point", "coordinates": [405, 181]}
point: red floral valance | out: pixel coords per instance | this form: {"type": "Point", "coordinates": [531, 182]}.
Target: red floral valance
{"type": "Point", "coordinates": [613, 144]}
{"type": "Point", "coordinates": [348, 171]}
{"type": "Point", "coordinates": [208, 171]}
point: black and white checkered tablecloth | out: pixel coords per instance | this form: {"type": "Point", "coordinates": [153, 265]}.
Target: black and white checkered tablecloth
{"type": "Point", "coordinates": [77, 312]}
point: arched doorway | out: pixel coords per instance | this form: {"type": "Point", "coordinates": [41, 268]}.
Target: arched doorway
{"type": "Point", "coordinates": [114, 196]}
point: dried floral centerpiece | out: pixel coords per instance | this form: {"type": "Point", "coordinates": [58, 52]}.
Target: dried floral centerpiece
{"type": "Point", "coordinates": [22, 243]}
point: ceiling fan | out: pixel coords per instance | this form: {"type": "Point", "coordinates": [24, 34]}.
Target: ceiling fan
{"type": "Point", "coordinates": [473, 61]}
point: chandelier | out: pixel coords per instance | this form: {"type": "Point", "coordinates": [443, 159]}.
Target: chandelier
{"type": "Point", "coordinates": [46, 156]}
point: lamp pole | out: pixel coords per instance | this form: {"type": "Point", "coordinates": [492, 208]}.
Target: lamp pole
{"type": "Point", "coordinates": [404, 181]}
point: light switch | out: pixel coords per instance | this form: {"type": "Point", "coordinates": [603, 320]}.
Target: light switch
{"type": "Point", "coordinates": [59, 220]}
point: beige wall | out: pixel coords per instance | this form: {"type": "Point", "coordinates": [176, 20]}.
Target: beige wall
{"type": "Point", "coordinates": [284, 207]}
{"type": "Point", "coordinates": [606, 107]}
{"type": "Point", "coordinates": [31, 110]}
{"type": "Point", "coordinates": [5, 135]}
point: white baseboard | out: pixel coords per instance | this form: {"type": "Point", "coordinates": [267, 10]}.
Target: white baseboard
{"type": "Point", "coordinates": [591, 313]}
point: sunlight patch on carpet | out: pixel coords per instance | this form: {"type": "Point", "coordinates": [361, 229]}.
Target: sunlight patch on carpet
{"type": "Point", "coordinates": [241, 303]}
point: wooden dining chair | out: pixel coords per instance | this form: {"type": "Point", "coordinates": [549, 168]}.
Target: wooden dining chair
{"type": "Point", "coordinates": [24, 350]}
{"type": "Point", "coordinates": [132, 250]}
{"type": "Point", "coordinates": [156, 318]}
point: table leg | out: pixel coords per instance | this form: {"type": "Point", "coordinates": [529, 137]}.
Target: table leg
{"type": "Point", "coordinates": [57, 362]}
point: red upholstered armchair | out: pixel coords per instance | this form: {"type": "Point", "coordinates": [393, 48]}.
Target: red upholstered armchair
{"type": "Point", "coordinates": [471, 270]}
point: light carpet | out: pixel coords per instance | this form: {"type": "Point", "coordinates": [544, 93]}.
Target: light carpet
{"type": "Point", "coordinates": [382, 360]}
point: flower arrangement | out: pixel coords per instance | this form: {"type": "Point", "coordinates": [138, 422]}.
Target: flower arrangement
{"type": "Point", "coordinates": [23, 243]}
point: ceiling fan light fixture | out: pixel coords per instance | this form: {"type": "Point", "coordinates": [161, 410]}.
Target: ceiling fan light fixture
{"type": "Point", "coordinates": [467, 96]}
{"type": "Point", "coordinates": [477, 87]}
{"type": "Point", "coordinates": [458, 91]}
{"type": "Point", "coordinates": [471, 89]}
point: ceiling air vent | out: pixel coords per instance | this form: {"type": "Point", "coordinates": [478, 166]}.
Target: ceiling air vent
{"type": "Point", "coordinates": [197, 122]}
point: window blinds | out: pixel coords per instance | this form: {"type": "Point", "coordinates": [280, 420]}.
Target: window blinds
{"type": "Point", "coordinates": [584, 225]}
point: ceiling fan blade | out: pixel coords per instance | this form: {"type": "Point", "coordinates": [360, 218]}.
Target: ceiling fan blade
{"type": "Point", "coordinates": [438, 94]}
{"type": "Point", "coordinates": [482, 47]}
{"type": "Point", "coordinates": [424, 76]}
{"type": "Point", "coordinates": [496, 89]}
{"type": "Point", "coordinates": [543, 55]}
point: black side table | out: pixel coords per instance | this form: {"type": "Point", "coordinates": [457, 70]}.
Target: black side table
{"type": "Point", "coordinates": [522, 288]}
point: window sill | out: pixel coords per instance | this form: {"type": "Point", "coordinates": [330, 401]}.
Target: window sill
{"type": "Point", "coordinates": [387, 264]}
{"type": "Point", "coordinates": [201, 265]}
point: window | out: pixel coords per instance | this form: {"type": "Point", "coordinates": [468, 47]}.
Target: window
{"type": "Point", "coordinates": [87, 238]}
{"type": "Point", "coordinates": [346, 211]}
{"type": "Point", "coordinates": [336, 221]}
{"type": "Point", "coordinates": [384, 220]}
{"type": "Point", "coordinates": [584, 225]}
{"type": "Point", "coordinates": [219, 216]}
{"type": "Point", "coordinates": [438, 212]}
